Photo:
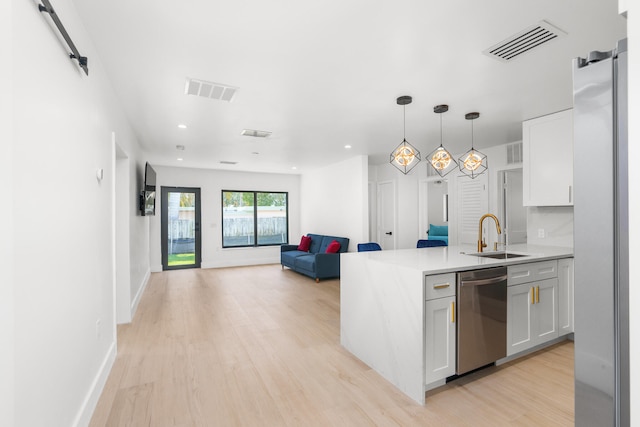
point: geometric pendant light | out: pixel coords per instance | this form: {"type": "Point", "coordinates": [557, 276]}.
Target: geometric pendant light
{"type": "Point", "coordinates": [440, 158]}
{"type": "Point", "coordinates": [473, 162]}
{"type": "Point", "coordinates": [405, 156]}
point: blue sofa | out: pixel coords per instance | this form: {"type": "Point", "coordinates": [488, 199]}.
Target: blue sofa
{"type": "Point", "coordinates": [316, 263]}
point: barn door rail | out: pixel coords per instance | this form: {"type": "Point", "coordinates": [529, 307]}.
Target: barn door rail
{"type": "Point", "coordinates": [82, 60]}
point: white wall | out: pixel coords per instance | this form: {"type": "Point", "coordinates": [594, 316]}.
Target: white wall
{"type": "Point", "coordinates": [62, 246]}
{"type": "Point", "coordinates": [334, 201]}
{"type": "Point", "coordinates": [139, 234]}
{"type": "Point", "coordinates": [7, 338]}
{"type": "Point", "coordinates": [211, 183]}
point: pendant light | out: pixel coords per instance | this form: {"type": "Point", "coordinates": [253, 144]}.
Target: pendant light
{"type": "Point", "coordinates": [473, 162]}
{"type": "Point", "coordinates": [440, 158]}
{"type": "Point", "coordinates": [405, 156]}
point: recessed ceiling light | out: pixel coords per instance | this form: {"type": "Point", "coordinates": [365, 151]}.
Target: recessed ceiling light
{"type": "Point", "coordinates": [255, 133]}
{"type": "Point", "coordinates": [293, 167]}
{"type": "Point", "coordinates": [347, 146]}
{"type": "Point", "coordinates": [182, 126]}
{"type": "Point", "coordinates": [179, 159]}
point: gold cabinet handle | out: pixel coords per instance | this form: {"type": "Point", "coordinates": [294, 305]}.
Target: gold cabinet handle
{"type": "Point", "coordinates": [453, 312]}
{"type": "Point", "coordinates": [533, 295]}
{"type": "Point", "coordinates": [537, 294]}
{"type": "Point", "coordinates": [441, 286]}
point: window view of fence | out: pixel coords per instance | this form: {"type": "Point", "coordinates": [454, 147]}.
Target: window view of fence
{"type": "Point", "coordinates": [181, 233]}
{"type": "Point", "coordinates": [247, 214]}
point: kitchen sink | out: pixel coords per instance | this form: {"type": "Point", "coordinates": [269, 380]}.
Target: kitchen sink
{"type": "Point", "coordinates": [498, 255]}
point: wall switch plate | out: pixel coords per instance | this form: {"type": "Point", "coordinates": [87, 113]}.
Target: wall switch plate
{"type": "Point", "coordinates": [541, 233]}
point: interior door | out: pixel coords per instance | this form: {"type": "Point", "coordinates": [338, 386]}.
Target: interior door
{"type": "Point", "coordinates": [387, 215]}
{"type": "Point", "coordinates": [180, 224]}
{"type": "Point", "coordinates": [473, 202]}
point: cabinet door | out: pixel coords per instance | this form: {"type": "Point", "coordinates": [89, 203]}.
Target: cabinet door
{"type": "Point", "coordinates": [547, 166]}
{"type": "Point", "coordinates": [520, 305]}
{"type": "Point", "coordinates": [545, 311]}
{"type": "Point", "coordinates": [440, 339]}
{"type": "Point", "coordinates": [565, 296]}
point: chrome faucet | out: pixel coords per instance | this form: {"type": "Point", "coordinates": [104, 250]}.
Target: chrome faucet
{"type": "Point", "coordinates": [481, 243]}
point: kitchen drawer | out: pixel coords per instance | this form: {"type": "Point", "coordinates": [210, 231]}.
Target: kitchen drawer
{"type": "Point", "coordinates": [532, 272]}
{"type": "Point", "coordinates": [439, 286]}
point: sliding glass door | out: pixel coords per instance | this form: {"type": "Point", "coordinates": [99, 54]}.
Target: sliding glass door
{"type": "Point", "coordinates": [180, 227]}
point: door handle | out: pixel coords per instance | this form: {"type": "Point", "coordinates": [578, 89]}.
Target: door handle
{"type": "Point", "coordinates": [388, 233]}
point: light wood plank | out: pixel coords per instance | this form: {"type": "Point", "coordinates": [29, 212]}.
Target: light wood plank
{"type": "Point", "coordinates": [260, 346]}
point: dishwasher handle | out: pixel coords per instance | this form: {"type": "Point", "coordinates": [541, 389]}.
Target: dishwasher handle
{"type": "Point", "coordinates": [482, 282]}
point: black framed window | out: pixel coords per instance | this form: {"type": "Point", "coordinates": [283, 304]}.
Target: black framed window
{"type": "Point", "coordinates": [254, 218]}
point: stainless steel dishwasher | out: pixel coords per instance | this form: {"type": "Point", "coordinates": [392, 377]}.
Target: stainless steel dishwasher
{"type": "Point", "coordinates": [482, 318]}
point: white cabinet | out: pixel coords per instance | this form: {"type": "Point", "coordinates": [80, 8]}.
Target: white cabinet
{"type": "Point", "coordinates": [547, 164]}
{"type": "Point", "coordinates": [531, 272]}
{"type": "Point", "coordinates": [531, 314]}
{"type": "Point", "coordinates": [440, 327]}
{"type": "Point", "coordinates": [440, 339]}
{"type": "Point", "coordinates": [565, 296]}
{"type": "Point", "coordinates": [532, 304]}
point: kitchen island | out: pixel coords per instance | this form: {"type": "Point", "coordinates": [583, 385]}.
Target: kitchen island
{"type": "Point", "coordinates": [397, 308]}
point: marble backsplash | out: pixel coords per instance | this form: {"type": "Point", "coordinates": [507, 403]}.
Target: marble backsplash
{"type": "Point", "coordinates": [555, 223]}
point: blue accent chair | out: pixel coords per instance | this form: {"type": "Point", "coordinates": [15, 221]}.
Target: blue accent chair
{"type": "Point", "coordinates": [368, 247]}
{"type": "Point", "coordinates": [439, 232]}
{"type": "Point", "coordinates": [430, 243]}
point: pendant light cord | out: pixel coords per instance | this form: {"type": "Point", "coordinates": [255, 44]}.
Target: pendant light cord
{"type": "Point", "coordinates": [471, 134]}
{"type": "Point", "coordinates": [440, 129]}
{"type": "Point", "coordinates": [404, 122]}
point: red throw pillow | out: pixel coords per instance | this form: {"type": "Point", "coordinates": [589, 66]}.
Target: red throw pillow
{"type": "Point", "coordinates": [305, 243]}
{"type": "Point", "coordinates": [333, 247]}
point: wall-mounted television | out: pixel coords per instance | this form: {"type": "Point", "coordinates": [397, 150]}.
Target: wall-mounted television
{"type": "Point", "coordinates": [148, 193]}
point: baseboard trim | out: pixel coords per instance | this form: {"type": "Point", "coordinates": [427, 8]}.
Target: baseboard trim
{"type": "Point", "coordinates": [143, 286]}
{"type": "Point", "coordinates": [156, 268]}
{"type": "Point", "coordinates": [91, 400]}
{"type": "Point", "coordinates": [241, 262]}
{"type": "Point", "coordinates": [534, 349]}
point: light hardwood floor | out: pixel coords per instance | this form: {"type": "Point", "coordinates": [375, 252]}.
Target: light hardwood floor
{"type": "Point", "coordinates": [260, 346]}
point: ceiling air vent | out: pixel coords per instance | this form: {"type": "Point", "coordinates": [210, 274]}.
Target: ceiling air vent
{"type": "Point", "coordinates": [210, 90]}
{"type": "Point", "coordinates": [255, 133]}
{"type": "Point", "coordinates": [227, 162]}
{"type": "Point", "coordinates": [524, 41]}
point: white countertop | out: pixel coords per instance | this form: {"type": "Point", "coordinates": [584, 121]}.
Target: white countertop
{"type": "Point", "coordinates": [455, 258]}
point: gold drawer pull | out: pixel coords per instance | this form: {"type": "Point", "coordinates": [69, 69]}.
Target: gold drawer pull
{"type": "Point", "coordinates": [441, 286]}
{"type": "Point", "coordinates": [537, 294]}
{"type": "Point", "coordinates": [533, 295]}
{"type": "Point", "coordinates": [453, 312]}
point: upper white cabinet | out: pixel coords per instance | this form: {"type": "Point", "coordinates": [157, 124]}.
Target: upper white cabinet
{"type": "Point", "coordinates": [547, 144]}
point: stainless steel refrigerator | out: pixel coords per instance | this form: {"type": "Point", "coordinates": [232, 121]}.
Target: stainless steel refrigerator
{"type": "Point", "coordinates": [601, 236]}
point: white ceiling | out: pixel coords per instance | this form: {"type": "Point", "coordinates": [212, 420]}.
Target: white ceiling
{"type": "Point", "coordinates": [323, 74]}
